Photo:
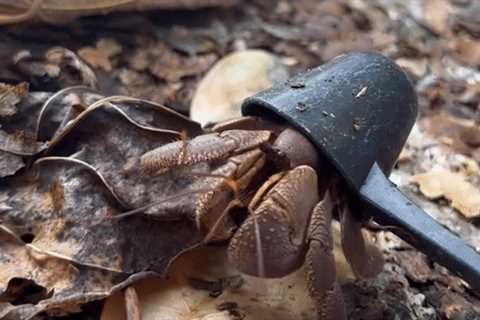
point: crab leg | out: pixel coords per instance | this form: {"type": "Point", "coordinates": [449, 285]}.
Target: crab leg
{"type": "Point", "coordinates": [365, 259]}
{"type": "Point", "coordinates": [207, 147]}
{"type": "Point", "coordinates": [320, 264]}
{"type": "Point", "coordinates": [276, 228]}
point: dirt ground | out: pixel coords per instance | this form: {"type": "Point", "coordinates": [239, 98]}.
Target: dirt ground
{"type": "Point", "coordinates": [162, 56]}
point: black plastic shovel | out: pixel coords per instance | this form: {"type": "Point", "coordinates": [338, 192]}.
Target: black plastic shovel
{"type": "Point", "coordinates": [358, 110]}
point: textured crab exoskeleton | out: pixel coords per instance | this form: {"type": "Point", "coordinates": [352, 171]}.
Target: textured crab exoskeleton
{"type": "Point", "coordinates": [288, 217]}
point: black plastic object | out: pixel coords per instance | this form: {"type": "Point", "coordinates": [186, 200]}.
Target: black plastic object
{"type": "Point", "coordinates": [358, 110]}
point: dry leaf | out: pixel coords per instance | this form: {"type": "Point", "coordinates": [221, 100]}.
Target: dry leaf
{"type": "Point", "coordinates": [232, 79]}
{"type": "Point", "coordinates": [166, 64]}
{"type": "Point", "coordinates": [57, 65]}
{"type": "Point", "coordinates": [101, 54]}
{"type": "Point", "coordinates": [177, 297]}
{"type": "Point", "coordinates": [416, 67]}
{"type": "Point", "coordinates": [10, 96]}
{"type": "Point", "coordinates": [61, 57]}
{"type": "Point", "coordinates": [17, 141]}
{"type": "Point", "coordinates": [435, 14]}
{"type": "Point", "coordinates": [466, 50]}
{"type": "Point", "coordinates": [56, 209]}
{"type": "Point", "coordinates": [464, 196]}
{"type": "Point", "coordinates": [460, 134]}
{"type": "Point", "coordinates": [56, 12]}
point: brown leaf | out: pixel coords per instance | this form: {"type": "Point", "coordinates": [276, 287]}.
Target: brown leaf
{"type": "Point", "coordinates": [464, 196]}
{"type": "Point", "coordinates": [9, 164]}
{"type": "Point", "coordinates": [10, 96]}
{"type": "Point", "coordinates": [61, 57]}
{"type": "Point", "coordinates": [175, 298]}
{"type": "Point", "coordinates": [416, 67]}
{"type": "Point", "coordinates": [99, 57]}
{"type": "Point", "coordinates": [60, 208]}
{"type": "Point", "coordinates": [65, 11]}
{"type": "Point", "coordinates": [468, 18]}
{"type": "Point", "coordinates": [168, 65]}
{"type": "Point", "coordinates": [415, 265]}
{"type": "Point", "coordinates": [435, 14]}
{"type": "Point", "coordinates": [17, 141]}
{"type": "Point", "coordinates": [460, 134]}
{"type": "Point", "coordinates": [232, 79]}
{"type": "Point", "coordinates": [57, 65]}
{"type": "Point", "coordinates": [202, 284]}
{"type": "Point", "coordinates": [466, 50]}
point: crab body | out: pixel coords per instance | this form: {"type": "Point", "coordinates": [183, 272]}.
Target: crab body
{"type": "Point", "coordinates": [288, 197]}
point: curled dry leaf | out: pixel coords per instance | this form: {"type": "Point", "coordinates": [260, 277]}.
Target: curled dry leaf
{"type": "Point", "coordinates": [54, 214]}
{"type": "Point", "coordinates": [464, 196]}
{"type": "Point", "coordinates": [232, 79]}
{"type": "Point", "coordinates": [60, 11]}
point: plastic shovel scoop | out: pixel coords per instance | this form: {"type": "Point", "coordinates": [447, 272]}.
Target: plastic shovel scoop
{"type": "Point", "coordinates": [358, 110]}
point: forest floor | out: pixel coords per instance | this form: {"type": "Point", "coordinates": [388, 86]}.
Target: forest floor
{"type": "Point", "coordinates": [162, 56]}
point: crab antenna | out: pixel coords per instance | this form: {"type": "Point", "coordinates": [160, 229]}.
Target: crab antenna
{"type": "Point", "coordinates": [141, 209]}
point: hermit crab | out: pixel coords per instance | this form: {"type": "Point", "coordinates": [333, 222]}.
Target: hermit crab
{"type": "Point", "coordinates": [273, 199]}
{"type": "Point", "coordinates": [313, 149]}
{"type": "Point", "coordinates": [266, 189]}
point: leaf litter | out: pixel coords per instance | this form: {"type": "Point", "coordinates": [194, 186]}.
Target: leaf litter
{"type": "Point", "coordinates": [61, 164]}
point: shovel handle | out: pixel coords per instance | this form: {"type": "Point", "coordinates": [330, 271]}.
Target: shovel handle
{"type": "Point", "coordinates": [391, 207]}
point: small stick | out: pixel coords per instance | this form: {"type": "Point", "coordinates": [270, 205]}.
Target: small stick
{"type": "Point", "coordinates": [132, 304]}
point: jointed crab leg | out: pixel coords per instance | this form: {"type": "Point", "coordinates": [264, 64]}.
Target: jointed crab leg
{"type": "Point", "coordinates": [320, 264]}
{"type": "Point", "coordinates": [207, 147]}
{"type": "Point", "coordinates": [365, 259]}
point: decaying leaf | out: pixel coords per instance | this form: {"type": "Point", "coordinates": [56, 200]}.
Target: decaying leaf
{"type": "Point", "coordinates": [232, 79]}
{"type": "Point", "coordinates": [462, 135]}
{"type": "Point", "coordinates": [464, 196]}
{"type": "Point", "coordinates": [55, 11]}
{"type": "Point", "coordinates": [416, 67]}
{"type": "Point", "coordinates": [434, 14]}
{"type": "Point", "coordinates": [467, 50]}
{"type": "Point", "coordinates": [17, 142]}
{"type": "Point", "coordinates": [56, 213]}
{"type": "Point", "coordinates": [61, 57]}
{"type": "Point", "coordinates": [9, 164]}
{"type": "Point", "coordinates": [194, 290]}
{"type": "Point", "coordinates": [57, 67]}
{"type": "Point", "coordinates": [99, 57]}
{"type": "Point", "coordinates": [166, 64]}
{"type": "Point", "coordinates": [10, 96]}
